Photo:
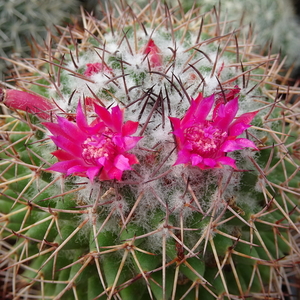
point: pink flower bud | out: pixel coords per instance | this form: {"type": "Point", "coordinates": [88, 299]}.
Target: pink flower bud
{"type": "Point", "coordinates": [95, 68]}
{"type": "Point", "coordinates": [33, 104]}
{"type": "Point", "coordinates": [153, 53]}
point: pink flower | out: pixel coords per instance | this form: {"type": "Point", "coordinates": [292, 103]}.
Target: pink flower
{"type": "Point", "coordinates": [99, 149]}
{"type": "Point", "coordinates": [153, 53]}
{"type": "Point", "coordinates": [203, 141]}
{"type": "Point", "coordinates": [95, 68]}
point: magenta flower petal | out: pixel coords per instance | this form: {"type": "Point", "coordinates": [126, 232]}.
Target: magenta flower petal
{"type": "Point", "coordinates": [210, 162]}
{"type": "Point", "coordinates": [94, 150]}
{"type": "Point", "coordinates": [67, 145]}
{"type": "Point", "coordinates": [80, 118]}
{"type": "Point", "coordinates": [223, 119]}
{"type": "Point", "coordinates": [245, 118]}
{"type": "Point", "coordinates": [230, 145]}
{"type": "Point", "coordinates": [105, 116]}
{"type": "Point", "coordinates": [122, 163]}
{"type": "Point", "coordinates": [130, 127]}
{"type": "Point", "coordinates": [63, 155]}
{"type": "Point", "coordinates": [203, 107]}
{"type": "Point", "coordinates": [219, 111]}
{"type": "Point", "coordinates": [200, 108]}
{"type": "Point", "coordinates": [130, 142]}
{"type": "Point", "coordinates": [196, 159]}
{"type": "Point", "coordinates": [82, 124]}
{"type": "Point", "coordinates": [183, 157]}
{"type": "Point", "coordinates": [92, 172]}
{"type": "Point", "coordinates": [132, 159]}
{"type": "Point", "coordinates": [70, 130]}
{"type": "Point", "coordinates": [238, 129]}
{"type": "Point", "coordinates": [53, 128]}
{"type": "Point", "coordinates": [102, 161]}
{"type": "Point", "coordinates": [225, 160]}
{"type": "Point", "coordinates": [176, 122]}
{"type": "Point", "coordinates": [204, 141]}
{"type": "Point", "coordinates": [64, 166]}
{"type": "Point", "coordinates": [178, 132]}
{"type": "Point", "coordinates": [126, 143]}
{"type": "Point", "coordinates": [245, 143]}
{"type": "Point", "coordinates": [78, 169]}
{"type": "Point", "coordinates": [114, 173]}
{"type": "Point", "coordinates": [117, 118]}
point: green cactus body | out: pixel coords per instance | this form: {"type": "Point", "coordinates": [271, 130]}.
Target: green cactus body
{"type": "Point", "coordinates": [162, 230]}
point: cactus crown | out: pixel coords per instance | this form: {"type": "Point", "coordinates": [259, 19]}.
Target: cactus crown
{"type": "Point", "coordinates": [131, 164]}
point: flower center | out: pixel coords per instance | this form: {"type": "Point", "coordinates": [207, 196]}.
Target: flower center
{"type": "Point", "coordinates": [204, 139]}
{"type": "Point", "coordinates": [97, 146]}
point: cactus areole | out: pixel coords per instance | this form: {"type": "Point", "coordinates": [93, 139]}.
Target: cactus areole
{"type": "Point", "coordinates": [148, 157]}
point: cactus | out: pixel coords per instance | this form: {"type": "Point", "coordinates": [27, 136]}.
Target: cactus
{"type": "Point", "coordinates": [151, 155]}
{"type": "Point", "coordinates": [276, 27]}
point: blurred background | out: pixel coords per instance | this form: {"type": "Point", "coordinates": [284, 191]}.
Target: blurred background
{"type": "Point", "coordinates": [24, 24]}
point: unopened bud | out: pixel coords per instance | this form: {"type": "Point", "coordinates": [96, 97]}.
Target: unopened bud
{"type": "Point", "coordinates": [153, 53]}
{"type": "Point", "coordinates": [33, 104]}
